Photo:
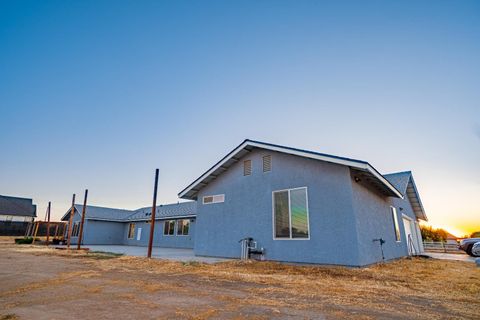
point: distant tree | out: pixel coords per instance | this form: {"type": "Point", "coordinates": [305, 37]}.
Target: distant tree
{"type": "Point", "coordinates": [431, 234]}
{"type": "Point", "coordinates": [475, 234]}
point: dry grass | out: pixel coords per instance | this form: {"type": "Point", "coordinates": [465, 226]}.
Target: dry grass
{"type": "Point", "coordinates": [407, 288]}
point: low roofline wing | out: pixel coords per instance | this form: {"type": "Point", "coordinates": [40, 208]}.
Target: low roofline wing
{"type": "Point", "coordinates": [190, 192]}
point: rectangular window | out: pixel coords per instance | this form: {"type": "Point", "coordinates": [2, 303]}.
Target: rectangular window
{"type": "Point", "coordinates": [183, 226]}
{"type": "Point", "coordinates": [290, 214]}
{"type": "Point", "coordinates": [169, 228]}
{"type": "Point", "coordinates": [395, 224]}
{"type": "Point", "coordinates": [214, 199]}
{"type": "Point", "coordinates": [267, 163]}
{"type": "Point", "coordinates": [247, 167]}
{"type": "Point", "coordinates": [76, 229]}
{"type": "Point", "coordinates": [131, 230]}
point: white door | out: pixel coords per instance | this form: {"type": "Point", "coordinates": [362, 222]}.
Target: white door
{"type": "Point", "coordinates": [139, 233]}
{"type": "Point", "coordinates": [409, 238]}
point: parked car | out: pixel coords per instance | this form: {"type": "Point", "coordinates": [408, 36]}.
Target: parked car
{"type": "Point", "coordinates": [476, 250]}
{"type": "Point", "coordinates": [467, 245]}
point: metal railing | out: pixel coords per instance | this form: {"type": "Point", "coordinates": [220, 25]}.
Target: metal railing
{"type": "Point", "coordinates": [438, 246]}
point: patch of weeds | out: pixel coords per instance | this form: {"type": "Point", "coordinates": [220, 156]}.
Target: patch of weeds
{"type": "Point", "coordinates": [27, 240]}
{"type": "Point", "coordinates": [10, 316]}
{"type": "Point", "coordinates": [103, 255]}
{"type": "Point", "coordinates": [191, 263]}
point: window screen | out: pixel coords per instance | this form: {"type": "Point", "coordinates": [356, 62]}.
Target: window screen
{"type": "Point", "coordinates": [291, 213]}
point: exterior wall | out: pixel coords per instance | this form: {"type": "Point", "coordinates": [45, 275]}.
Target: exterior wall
{"type": "Point", "coordinates": [102, 232]}
{"type": "Point", "coordinates": [374, 220]}
{"type": "Point", "coordinates": [247, 211]}
{"type": "Point", "coordinates": [159, 239]}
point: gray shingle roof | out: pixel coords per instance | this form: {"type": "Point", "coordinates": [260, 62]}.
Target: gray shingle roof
{"type": "Point", "coordinates": [14, 206]}
{"type": "Point", "coordinates": [403, 182]}
{"type": "Point", "coordinates": [362, 168]}
{"type": "Point", "coordinates": [166, 211]}
{"type": "Point", "coordinates": [399, 180]}
{"type": "Point", "coordinates": [123, 215]}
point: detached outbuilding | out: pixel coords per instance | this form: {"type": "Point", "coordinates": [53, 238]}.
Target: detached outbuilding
{"type": "Point", "coordinates": [15, 215]}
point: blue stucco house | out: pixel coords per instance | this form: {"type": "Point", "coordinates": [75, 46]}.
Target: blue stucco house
{"type": "Point", "coordinates": [297, 205]}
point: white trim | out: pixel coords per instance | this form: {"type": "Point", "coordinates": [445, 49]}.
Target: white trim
{"type": "Point", "coordinates": [183, 235]}
{"type": "Point", "coordinates": [290, 214]}
{"type": "Point", "coordinates": [406, 217]}
{"type": "Point", "coordinates": [128, 233]}
{"type": "Point", "coordinates": [349, 163]}
{"type": "Point", "coordinates": [148, 220]}
{"type": "Point", "coordinates": [174, 228]}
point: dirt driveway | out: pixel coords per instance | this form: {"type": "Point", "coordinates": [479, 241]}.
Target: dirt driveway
{"type": "Point", "coordinates": [41, 283]}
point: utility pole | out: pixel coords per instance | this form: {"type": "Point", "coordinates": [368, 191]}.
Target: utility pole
{"type": "Point", "coordinates": [70, 221]}
{"type": "Point", "coordinates": [48, 221]}
{"type": "Point", "coordinates": [84, 210]}
{"type": "Point", "coordinates": [154, 210]}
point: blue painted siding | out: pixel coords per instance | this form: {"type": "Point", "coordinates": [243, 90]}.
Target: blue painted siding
{"type": "Point", "coordinates": [247, 211]}
{"type": "Point", "coordinates": [374, 220]}
{"type": "Point", "coordinates": [159, 239]}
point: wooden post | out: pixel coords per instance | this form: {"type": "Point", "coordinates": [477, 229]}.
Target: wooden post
{"type": "Point", "coordinates": [154, 210]}
{"type": "Point", "coordinates": [84, 209]}
{"type": "Point", "coordinates": [70, 221]}
{"type": "Point", "coordinates": [27, 231]}
{"type": "Point", "coordinates": [36, 230]}
{"type": "Point", "coordinates": [56, 232]}
{"type": "Point", "coordinates": [48, 221]}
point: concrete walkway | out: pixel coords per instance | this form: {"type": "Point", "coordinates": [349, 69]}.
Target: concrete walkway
{"type": "Point", "coordinates": [451, 256]}
{"type": "Point", "coordinates": [174, 254]}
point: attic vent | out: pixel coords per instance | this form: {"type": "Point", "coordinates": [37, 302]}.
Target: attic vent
{"type": "Point", "coordinates": [247, 167]}
{"type": "Point", "coordinates": [267, 163]}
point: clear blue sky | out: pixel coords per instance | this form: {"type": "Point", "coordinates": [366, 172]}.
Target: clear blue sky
{"type": "Point", "coordinates": [98, 94]}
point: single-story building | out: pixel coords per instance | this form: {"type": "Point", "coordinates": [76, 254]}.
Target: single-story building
{"type": "Point", "coordinates": [15, 215]}
{"type": "Point", "coordinates": [297, 206]}
{"type": "Point", "coordinates": [174, 225]}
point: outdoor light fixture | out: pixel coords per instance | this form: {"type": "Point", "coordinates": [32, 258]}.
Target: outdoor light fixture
{"type": "Point", "coordinates": [357, 179]}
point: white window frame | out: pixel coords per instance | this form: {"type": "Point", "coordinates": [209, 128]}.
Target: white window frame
{"type": "Point", "coordinates": [289, 214]}
{"type": "Point", "coordinates": [174, 228]}
{"type": "Point", "coordinates": [183, 235]}
{"type": "Point", "coordinates": [217, 198]}
{"type": "Point", "coordinates": [129, 228]}
{"type": "Point", "coordinates": [396, 225]}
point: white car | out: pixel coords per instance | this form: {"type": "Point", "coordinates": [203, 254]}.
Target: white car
{"type": "Point", "coordinates": [476, 250]}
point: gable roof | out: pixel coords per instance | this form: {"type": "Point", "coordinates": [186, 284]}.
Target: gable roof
{"type": "Point", "coordinates": [175, 210]}
{"type": "Point", "coordinates": [404, 182]}
{"type": "Point", "coordinates": [15, 206]}
{"type": "Point", "coordinates": [360, 167]}
{"type": "Point", "coordinates": [99, 213]}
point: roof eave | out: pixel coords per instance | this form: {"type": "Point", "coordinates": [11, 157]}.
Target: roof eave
{"type": "Point", "coordinates": [188, 194]}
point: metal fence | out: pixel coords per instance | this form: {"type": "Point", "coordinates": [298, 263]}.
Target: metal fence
{"type": "Point", "coordinates": [439, 246]}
